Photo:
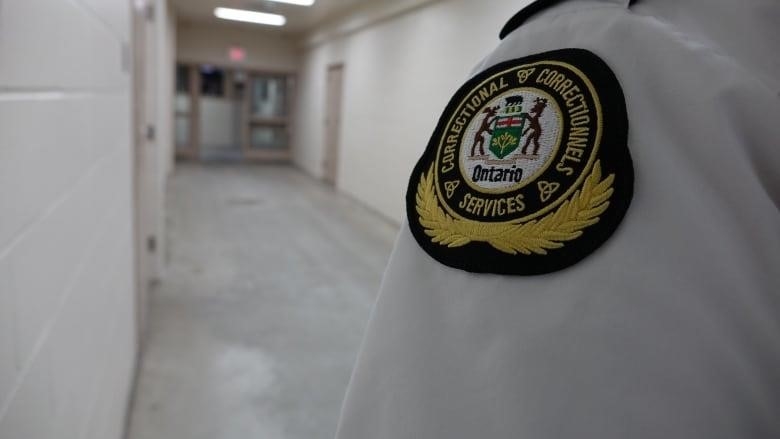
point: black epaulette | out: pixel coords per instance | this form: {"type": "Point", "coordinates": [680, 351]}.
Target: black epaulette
{"type": "Point", "coordinates": [521, 17]}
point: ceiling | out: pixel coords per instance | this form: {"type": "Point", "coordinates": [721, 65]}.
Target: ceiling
{"type": "Point", "coordinates": [300, 19]}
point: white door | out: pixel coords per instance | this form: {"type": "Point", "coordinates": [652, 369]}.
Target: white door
{"type": "Point", "coordinates": [333, 98]}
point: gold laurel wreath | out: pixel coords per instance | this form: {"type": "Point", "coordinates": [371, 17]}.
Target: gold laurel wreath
{"type": "Point", "coordinates": [567, 223]}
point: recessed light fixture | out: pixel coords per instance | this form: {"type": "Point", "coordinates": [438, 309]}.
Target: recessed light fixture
{"type": "Point", "coordinates": [250, 16]}
{"type": "Point", "coordinates": [296, 2]}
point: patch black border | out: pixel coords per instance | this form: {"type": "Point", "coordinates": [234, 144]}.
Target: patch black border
{"type": "Point", "coordinates": [480, 257]}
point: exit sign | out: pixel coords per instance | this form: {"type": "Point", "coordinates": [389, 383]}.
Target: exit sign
{"type": "Point", "coordinates": [236, 53]}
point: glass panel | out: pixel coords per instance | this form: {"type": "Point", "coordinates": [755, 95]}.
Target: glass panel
{"type": "Point", "coordinates": [182, 78]}
{"type": "Point", "coordinates": [212, 81]}
{"type": "Point", "coordinates": [268, 138]}
{"type": "Point", "coordinates": [239, 77]}
{"type": "Point", "coordinates": [238, 84]}
{"type": "Point", "coordinates": [182, 132]}
{"type": "Point", "coordinates": [269, 96]}
{"type": "Point", "coordinates": [220, 124]}
{"type": "Point", "coordinates": [182, 102]}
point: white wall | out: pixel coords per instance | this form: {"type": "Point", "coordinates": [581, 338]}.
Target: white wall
{"type": "Point", "coordinates": [209, 44]}
{"type": "Point", "coordinates": [399, 75]}
{"type": "Point", "coordinates": [66, 301]}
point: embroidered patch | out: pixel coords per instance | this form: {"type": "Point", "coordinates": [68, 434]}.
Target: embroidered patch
{"type": "Point", "coordinates": [528, 170]}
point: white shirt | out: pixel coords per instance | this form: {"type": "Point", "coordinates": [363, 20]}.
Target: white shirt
{"type": "Point", "coordinates": [672, 328]}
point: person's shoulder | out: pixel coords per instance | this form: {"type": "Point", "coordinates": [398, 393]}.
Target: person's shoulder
{"type": "Point", "coordinates": [534, 8]}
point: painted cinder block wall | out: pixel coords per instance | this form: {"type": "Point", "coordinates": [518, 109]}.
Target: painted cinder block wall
{"type": "Point", "coordinates": [67, 323]}
{"type": "Point", "coordinates": [208, 44]}
{"type": "Point", "coordinates": [399, 75]}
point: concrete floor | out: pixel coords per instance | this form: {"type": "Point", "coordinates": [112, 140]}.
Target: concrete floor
{"type": "Point", "coordinates": [254, 329]}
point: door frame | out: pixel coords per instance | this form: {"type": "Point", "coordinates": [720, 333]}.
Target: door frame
{"type": "Point", "coordinates": [144, 161]}
{"type": "Point", "coordinates": [333, 99]}
{"type": "Point", "coordinates": [192, 150]}
{"type": "Point", "coordinates": [249, 121]}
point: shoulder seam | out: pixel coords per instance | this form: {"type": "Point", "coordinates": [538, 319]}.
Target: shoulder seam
{"type": "Point", "coordinates": [532, 9]}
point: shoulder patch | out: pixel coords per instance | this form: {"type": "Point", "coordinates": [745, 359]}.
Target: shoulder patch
{"type": "Point", "coordinates": [527, 171]}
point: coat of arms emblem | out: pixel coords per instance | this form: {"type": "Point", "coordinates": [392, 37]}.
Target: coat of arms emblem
{"type": "Point", "coordinates": [507, 129]}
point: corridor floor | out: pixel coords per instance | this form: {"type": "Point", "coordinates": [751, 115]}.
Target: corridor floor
{"type": "Point", "coordinates": [254, 329]}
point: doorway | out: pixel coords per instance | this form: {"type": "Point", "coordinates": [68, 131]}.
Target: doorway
{"type": "Point", "coordinates": [333, 101]}
{"type": "Point", "coordinates": [232, 114]}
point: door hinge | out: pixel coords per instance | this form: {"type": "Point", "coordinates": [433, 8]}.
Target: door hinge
{"type": "Point", "coordinates": [149, 12]}
{"type": "Point", "coordinates": [151, 132]}
{"type": "Point", "coordinates": [151, 244]}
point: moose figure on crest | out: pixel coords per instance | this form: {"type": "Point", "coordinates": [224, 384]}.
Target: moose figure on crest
{"type": "Point", "coordinates": [534, 127]}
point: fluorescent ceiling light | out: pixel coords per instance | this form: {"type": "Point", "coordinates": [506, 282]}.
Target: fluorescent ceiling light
{"type": "Point", "coordinates": [250, 16]}
{"type": "Point", "coordinates": [296, 2]}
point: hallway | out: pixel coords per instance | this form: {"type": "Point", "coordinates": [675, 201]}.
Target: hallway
{"type": "Point", "coordinates": [253, 282]}
{"type": "Point", "coordinates": [254, 329]}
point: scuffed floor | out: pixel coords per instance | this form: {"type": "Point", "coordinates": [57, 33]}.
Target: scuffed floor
{"type": "Point", "coordinates": [255, 327]}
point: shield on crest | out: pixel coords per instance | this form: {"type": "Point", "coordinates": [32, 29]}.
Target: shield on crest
{"type": "Point", "coordinates": [506, 135]}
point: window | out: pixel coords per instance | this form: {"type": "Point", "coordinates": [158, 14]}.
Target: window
{"type": "Point", "coordinates": [212, 81]}
{"type": "Point", "coordinates": [182, 79]}
{"type": "Point", "coordinates": [182, 106]}
{"type": "Point", "coordinates": [269, 96]}
{"type": "Point", "coordinates": [268, 138]}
